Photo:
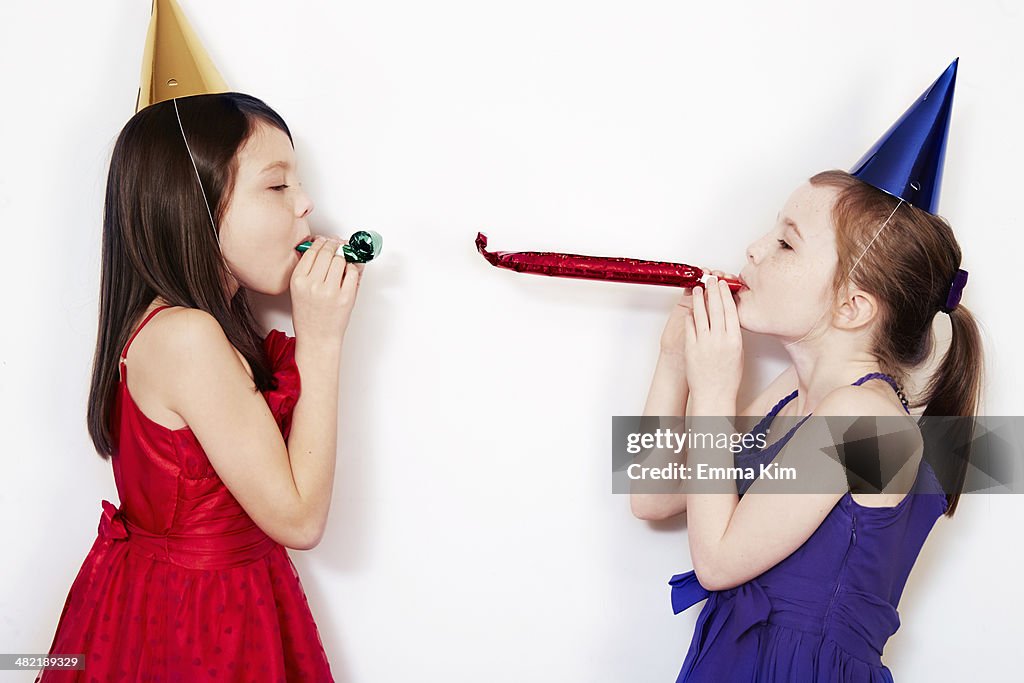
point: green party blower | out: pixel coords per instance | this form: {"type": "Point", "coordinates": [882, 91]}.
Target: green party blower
{"type": "Point", "coordinates": [363, 246]}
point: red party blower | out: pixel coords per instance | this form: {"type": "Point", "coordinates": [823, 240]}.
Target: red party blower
{"type": "Point", "coordinates": [599, 267]}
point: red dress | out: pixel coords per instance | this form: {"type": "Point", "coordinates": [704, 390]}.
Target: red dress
{"type": "Point", "coordinates": [181, 585]}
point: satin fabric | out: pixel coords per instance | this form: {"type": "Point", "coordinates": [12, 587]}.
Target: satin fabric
{"type": "Point", "coordinates": [180, 584]}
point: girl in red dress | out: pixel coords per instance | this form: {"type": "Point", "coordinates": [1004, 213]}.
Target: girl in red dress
{"type": "Point", "coordinates": [220, 462]}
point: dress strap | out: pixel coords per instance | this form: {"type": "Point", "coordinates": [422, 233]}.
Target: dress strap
{"type": "Point", "coordinates": [871, 375]}
{"type": "Point", "coordinates": [124, 353]}
{"type": "Point", "coordinates": [778, 406]}
{"type": "Point", "coordinates": [767, 419]}
{"type": "Point", "coordinates": [892, 383]}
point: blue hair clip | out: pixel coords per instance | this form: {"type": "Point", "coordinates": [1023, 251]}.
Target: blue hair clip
{"type": "Point", "coordinates": [956, 290]}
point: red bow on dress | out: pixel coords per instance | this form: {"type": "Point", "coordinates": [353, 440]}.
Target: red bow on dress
{"type": "Point", "coordinates": [112, 523]}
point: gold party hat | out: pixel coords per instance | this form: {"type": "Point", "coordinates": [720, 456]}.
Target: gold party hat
{"type": "Point", "coordinates": [174, 64]}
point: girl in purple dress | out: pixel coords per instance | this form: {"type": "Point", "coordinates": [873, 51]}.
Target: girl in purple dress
{"type": "Point", "coordinates": [805, 586]}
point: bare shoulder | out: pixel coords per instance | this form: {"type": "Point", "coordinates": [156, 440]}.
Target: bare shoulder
{"type": "Point", "coordinates": [896, 436]}
{"type": "Point", "coordinates": [188, 337]}
{"type": "Point", "coordinates": [170, 358]}
{"type": "Point", "coordinates": [155, 359]}
{"type": "Point", "coordinates": [862, 399]}
{"type": "Point", "coordinates": [896, 429]}
{"type": "Point", "coordinates": [188, 329]}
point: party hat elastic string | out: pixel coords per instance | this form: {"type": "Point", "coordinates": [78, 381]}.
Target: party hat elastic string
{"type": "Point", "coordinates": [216, 233]}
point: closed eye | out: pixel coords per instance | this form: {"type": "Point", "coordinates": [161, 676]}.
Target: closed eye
{"type": "Point", "coordinates": [278, 188]}
{"type": "Point", "coordinates": [784, 244]}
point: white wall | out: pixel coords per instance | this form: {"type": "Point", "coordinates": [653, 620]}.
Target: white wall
{"type": "Point", "coordinates": [473, 534]}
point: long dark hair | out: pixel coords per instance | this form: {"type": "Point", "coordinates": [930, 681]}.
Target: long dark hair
{"type": "Point", "coordinates": [909, 267]}
{"type": "Point", "coordinates": [157, 236]}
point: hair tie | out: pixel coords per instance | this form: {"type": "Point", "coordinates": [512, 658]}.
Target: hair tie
{"type": "Point", "coordinates": [956, 290]}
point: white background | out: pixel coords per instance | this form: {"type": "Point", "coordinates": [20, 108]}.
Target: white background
{"type": "Point", "coordinates": [473, 535]}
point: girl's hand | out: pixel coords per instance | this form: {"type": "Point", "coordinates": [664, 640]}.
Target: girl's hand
{"type": "Point", "coordinates": [713, 348]}
{"type": "Point", "coordinates": [673, 340]}
{"type": "Point", "coordinates": [323, 291]}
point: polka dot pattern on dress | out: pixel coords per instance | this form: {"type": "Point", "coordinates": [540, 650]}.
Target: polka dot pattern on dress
{"type": "Point", "coordinates": [180, 585]}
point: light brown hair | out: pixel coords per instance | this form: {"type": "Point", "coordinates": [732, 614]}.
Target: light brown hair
{"type": "Point", "coordinates": [909, 268]}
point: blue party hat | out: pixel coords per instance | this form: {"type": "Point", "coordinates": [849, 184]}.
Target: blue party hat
{"type": "Point", "coordinates": [907, 161]}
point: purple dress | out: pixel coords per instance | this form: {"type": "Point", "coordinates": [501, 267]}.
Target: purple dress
{"type": "Point", "coordinates": [825, 612]}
